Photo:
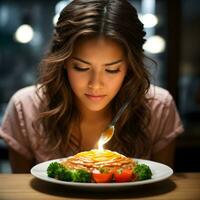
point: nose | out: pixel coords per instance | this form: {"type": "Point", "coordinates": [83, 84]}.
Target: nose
{"type": "Point", "coordinates": [96, 81]}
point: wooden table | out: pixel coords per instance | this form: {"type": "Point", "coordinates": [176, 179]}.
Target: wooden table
{"type": "Point", "coordinates": [180, 186]}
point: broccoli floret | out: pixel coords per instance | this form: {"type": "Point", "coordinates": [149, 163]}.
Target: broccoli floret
{"type": "Point", "coordinates": [52, 169]}
{"type": "Point", "coordinates": [64, 174]}
{"type": "Point", "coordinates": [142, 171]}
{"type": "Point", "coordinates": [80, 175]}
{"type": "Point", "coordinates": [60, 172]}
{"type": "Point", "coordinates": [57, 170]}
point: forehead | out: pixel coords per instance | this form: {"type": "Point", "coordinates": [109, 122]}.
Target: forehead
{"type": "Point", "coordinates": [99, 47]}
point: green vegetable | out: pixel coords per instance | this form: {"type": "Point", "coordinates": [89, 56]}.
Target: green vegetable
{"type": "Point", "coordinates": [52, 169]}
{"type": "Point", "coordinates": [80, 175]}
{"type": "Point", "coordinates": [64, 174]}
{"type": "Point", "coordinates": [103, 170]}
{"type": "Point", "coordinates": [142, 172]}
{"type": "Point", "coordinates": [60, 172]}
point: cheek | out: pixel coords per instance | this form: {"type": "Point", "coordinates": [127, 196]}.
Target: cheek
{"type": "Point", "coordinates": [72, 79]}
{"type": "Point", "coordinates": [115, 84]}
{"type": "Point", "coordinates": [76, 80]}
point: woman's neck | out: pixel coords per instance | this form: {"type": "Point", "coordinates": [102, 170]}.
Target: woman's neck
{"type": "Point", "coordinates": [89, 116]}
{"type": "Point", "coordinates": [92, 123]}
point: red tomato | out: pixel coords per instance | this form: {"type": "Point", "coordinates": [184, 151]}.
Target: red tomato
{"type": "Point", "coordinates": [124, 175]}
{"type": "Point", "coordinates": [99, 177]}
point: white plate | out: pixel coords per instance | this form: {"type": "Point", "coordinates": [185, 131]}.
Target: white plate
{"type": "Point", "coordinates": [159, 171]}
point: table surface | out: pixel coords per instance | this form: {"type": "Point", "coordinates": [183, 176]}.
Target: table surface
{"type": "Point", "coordinates": [180, 186]}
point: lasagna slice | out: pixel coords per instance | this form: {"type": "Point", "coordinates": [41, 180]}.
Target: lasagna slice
{"type": "Point", "coordinates": [97, 159]}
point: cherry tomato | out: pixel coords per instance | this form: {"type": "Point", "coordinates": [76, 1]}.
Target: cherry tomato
{"type": "Point", "coordinates": [99, 177]}
{"type": "Point", "coordinates": [124, 175]}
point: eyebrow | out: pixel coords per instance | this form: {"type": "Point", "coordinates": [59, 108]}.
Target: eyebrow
{"type": "Point", "coordinates": [107, 64]}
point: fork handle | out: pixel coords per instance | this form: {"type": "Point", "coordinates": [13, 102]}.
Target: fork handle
{"type": "Point", "coordinates": [121, 110]}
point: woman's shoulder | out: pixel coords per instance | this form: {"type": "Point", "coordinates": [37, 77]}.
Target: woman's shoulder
{"type": "Point", "coordinates": [26, 93]}
{"type": "Point", "coordinates": [158, 95]}
{"type": "Point", "coordinates": [28, 96]}
{"type": "Point", "coordinates": [165, 122]}
{"type": "Point", "coordinates": [17, 123]}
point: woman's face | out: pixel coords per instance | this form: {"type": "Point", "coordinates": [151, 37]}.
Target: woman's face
{"type": "Point", "coordinates": [96, 70]}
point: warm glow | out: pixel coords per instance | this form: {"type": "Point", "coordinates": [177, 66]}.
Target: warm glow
{"type": "Point", "coordinates": [155, 44]}
{"type": "Point", "coordinates": [149, 20]}
{"type": "Point", "coordinates": [105, 136]}
{"type": "Point", "coordinates": [55, 19]}
{"type": "Point", "coordinates": [24, 33]}
{"type": "Point", "coordinates": [100, 144]}
{"type": "Point", "coordinates": [58, 8]}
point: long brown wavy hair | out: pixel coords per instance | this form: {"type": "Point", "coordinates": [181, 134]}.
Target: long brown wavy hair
{"type": "Point", "coordinates": [116, 19]}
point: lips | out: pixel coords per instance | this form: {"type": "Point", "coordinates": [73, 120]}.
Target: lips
{"type": "Point", "coordinates": [95, 97]}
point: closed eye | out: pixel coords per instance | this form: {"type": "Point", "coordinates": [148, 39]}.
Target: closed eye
{"type": "Point", "coordinates": [113, 71]}
{"type": "Point", "coordinates": [80, 69]}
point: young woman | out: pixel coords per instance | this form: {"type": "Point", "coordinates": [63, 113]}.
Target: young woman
{"type": "Point", "coordinates": [95, 65]}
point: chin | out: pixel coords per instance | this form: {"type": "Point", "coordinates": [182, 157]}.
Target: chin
{"type": "Point", "coordinates": [96, 108]}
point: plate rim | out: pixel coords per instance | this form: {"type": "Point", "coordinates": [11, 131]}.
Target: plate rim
{"type": "Point", "coordinates": [102, 185]}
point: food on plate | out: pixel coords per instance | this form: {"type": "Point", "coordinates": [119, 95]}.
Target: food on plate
{"type": "Point", "coordinates": [97, 159]}
{"type": "Point", "coordinates": [143, 172]}
{"type": "Point", "coordinates": [98, 166]}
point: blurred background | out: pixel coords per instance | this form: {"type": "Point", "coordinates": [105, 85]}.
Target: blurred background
{"type": "Point", "coordinates": [172, 27]}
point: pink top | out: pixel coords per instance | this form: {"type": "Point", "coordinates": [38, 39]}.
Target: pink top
{"type": "Point", "coordinates": [18, 133]}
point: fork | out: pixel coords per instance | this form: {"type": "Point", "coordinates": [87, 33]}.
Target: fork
{"type": "Point", "coordinates": [107, 134]}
